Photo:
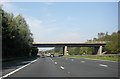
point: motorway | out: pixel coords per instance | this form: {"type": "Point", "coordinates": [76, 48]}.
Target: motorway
{"type": "Point", "coordinates": [67, 67]}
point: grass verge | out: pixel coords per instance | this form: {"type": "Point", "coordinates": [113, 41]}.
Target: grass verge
{"type": "Point", "coordinates": [110, 58]}
{"type": "Point", "coordinates": [18, 60]}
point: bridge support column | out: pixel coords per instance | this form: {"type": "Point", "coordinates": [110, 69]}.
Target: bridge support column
{"type": "Point", "coordinates": [65, 50]}
{"type": "Point", "coordinates": [99, 51]}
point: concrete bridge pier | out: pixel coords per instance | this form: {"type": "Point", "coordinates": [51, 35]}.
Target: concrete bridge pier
{"type": "Point", "coordinates": [65, 50]}
{"type": "Point", "coordinates": [99, 51]}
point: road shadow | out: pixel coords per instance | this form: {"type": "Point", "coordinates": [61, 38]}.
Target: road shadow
{"type": "Point", "coordinates": [8, 66]}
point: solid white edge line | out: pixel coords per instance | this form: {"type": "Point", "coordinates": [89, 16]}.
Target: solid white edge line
{"type": "Point", "coordinates": [17, 69]}
{"type": "Point", "coordinates": [103, 65]}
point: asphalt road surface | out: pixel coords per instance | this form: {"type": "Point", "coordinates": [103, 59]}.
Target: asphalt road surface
{"type": "Point", "coordinates": [67, 67]}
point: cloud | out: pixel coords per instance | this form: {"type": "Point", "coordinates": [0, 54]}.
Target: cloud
{"type": "Point", "coordinates": [48, 14]}
{"type": "Point", "coordinates": [49, 3]}
{"type": "Point", "coordinates": [40, 32]}
{"type": "Point", "coordinates": [71, 37]}
{"type": "Point", "coordinates": [10, 8]}
{"type": "Point", "coordinates": [32, 22]}
{"type": "Point", "coordinates": [69, 18]}
{"type": "Point", "coordinates": [7, 6]}
{"type": "Point", "coordinates": [51, 21]}
{"type": "Point", "coordinates": [35, 26]}
{"type": "Point", "coordinates": [49, 31]}
{"type": "Point", "coordinates": [53, 33]}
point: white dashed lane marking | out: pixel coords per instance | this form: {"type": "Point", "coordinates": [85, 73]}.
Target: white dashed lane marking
{"type": "Point", "coordinates": [52, 59]}
{"type": "Point", "coordinates": [103, 65]}
{"type": "Point", "coordinates": [72, 59]}
{"type": "Point", "coordinates": [62, 67]}
{"type": "Point", "coordinates": [55, 62]}
{"type": "Point", "coordinates": [82, 61]}
{"type": "Point", "coordinates": [68, 72]}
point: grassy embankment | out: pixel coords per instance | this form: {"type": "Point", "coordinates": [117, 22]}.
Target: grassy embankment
{"type": "Point", "coordinates": [110, 58]}
{"type": "Point", "coordinates": [19, 60]}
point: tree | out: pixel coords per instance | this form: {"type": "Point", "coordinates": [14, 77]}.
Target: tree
{"type": "Point", "coordinates": [16, 36]}
{"type": "Point", "coordinates": [113, 45]}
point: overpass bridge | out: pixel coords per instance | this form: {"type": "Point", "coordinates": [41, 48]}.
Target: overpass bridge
{"type": "Point", "coordinates": [98, 46]}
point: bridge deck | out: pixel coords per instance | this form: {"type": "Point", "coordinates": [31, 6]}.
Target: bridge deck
{"type": "Point", "coordinates": [68, 44]}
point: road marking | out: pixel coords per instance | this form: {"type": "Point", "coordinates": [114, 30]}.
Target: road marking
{"type": "Point", "coordinates": [52, 59]}
{"type": "Point", "coordinates": [68, 72]}
{"type": "Point", "coordinates": [34, 61]}
{"type": "Point", "coordinates": [103, 65]}
{"type": "Point", "coordinates": [72, 59]}
{"type": "Point", "coordinates": [62, 67]}
{"type": "Point", "coordinates": [17, 69]}
{"type": "Point", "coordinates": [95, 59]}
{"type": "Point", "coordinates": [55, 62]}
{"type": "Point", "coordinates": [82, 61]}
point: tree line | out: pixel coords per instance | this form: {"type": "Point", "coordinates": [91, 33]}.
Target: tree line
{"type": "Point", "coordinates": [112, 42]}
{"type": "Point", "coordinates": [112, 45]}
{"type": "Point", "coordinates": [16, 36]}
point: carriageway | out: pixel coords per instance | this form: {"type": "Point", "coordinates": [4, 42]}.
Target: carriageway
{"type": "Point", "coordinates": [98, 46]}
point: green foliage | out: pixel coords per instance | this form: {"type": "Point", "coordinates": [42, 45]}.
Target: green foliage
{"type": "Point", "coordinates": [34, 51]}
{"type": "Point", "coordinates": [16, 36]}
{"type": "Point", "coordinates": [80, 50]}
{"type": "Point", "coordinates": [71, 50]}
{"type": "Point", "coordinates": [112, 46]}
{"type": "Point", "coordinates": [76, 50]}
{"type": "Point", "coordinates": [57, 49]}
{"type": "Point", "coordinates": [110, 58]}
{"type": "Point", "coordinates": [61, 51]}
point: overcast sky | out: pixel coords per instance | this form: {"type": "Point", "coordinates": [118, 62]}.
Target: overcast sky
{"type": "Point", "coordinates": [66, 21]}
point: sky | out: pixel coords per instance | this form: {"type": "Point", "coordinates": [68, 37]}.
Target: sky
{"type": "Point", "coordinates": [66, 21]}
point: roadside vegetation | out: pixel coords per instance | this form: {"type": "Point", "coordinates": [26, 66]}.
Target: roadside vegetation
{"type": "Point", "coordinates": [112, 45]}
{"type": "Point", "coordinates": [16, 36]}
{"type": "Point", "coordinates": [112, 48]}
{"type": "Point", "coordinates": [14, 61]}
{"type": "Point", "coordinates": [110, 58]}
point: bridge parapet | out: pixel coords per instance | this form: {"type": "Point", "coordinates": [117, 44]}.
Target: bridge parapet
{"type": "Point", "coordinates": [68, 44]}
{"type": "Point", "coordinates": [96, 42]}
